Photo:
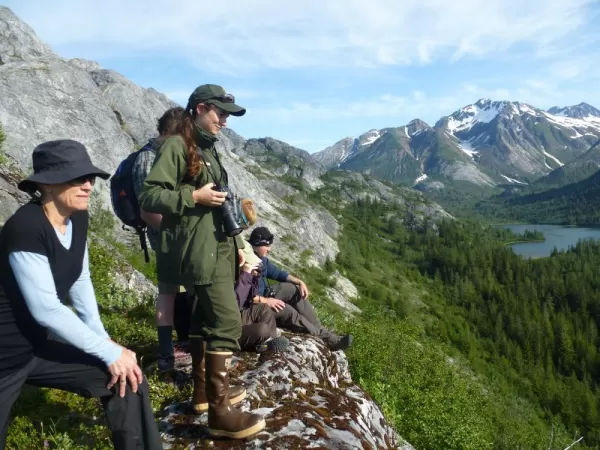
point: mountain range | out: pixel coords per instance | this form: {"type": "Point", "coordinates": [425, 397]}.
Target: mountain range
{"type": "Point", "coordinates": [488, 143]}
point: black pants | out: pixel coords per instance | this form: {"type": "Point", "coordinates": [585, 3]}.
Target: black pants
{"type": "Point", "coordinates": [258, 325]}
{"type": "Point", "coordinates": [182, 315]}
{"type": "Point", "coordinates": [61, 366]}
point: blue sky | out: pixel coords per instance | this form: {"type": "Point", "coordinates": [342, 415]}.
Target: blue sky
{"type": "Point", "coordinates": [314, 72]}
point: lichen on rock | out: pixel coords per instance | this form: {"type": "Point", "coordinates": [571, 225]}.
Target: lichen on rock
{"type": "Point", "coordinates": [308, 400]}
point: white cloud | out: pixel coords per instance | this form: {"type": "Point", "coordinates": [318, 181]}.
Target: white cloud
{"type": "Point", "coordinates": [541, 93]}
{"type": "Point", "coordinates": [236, 36]}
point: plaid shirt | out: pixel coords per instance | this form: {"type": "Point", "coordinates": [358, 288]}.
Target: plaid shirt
{"type": "Point", "coordinates": [141, 168]}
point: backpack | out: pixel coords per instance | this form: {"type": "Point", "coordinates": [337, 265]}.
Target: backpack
{"type": "Point", "coordinates": [124, 201]}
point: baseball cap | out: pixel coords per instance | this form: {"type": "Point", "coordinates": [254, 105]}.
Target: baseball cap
{"type": "Point", "coordinates": [215, 95]}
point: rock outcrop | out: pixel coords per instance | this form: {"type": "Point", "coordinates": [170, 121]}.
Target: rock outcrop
{"type": "Point", "coordinates": [307, 397]}
{"type": "Point", "coordinates": [19, 42]}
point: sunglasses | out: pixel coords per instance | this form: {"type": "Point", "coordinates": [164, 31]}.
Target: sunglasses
{"type": "Point", "coordinates": [82, 180]}
{"type": "Point", "coordinates": [225, 98]}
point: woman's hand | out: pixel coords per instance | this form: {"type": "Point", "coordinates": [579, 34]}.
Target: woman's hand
{"type": "Point", "coordinates": [242, 257]}
{"type": "Point", "coordinates": [123, 369]}
{"type": "Point", "coordinates": [208, 197]}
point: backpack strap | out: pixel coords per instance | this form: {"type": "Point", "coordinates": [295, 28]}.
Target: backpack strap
{"type": "Point", "coordinates": [143, 243]}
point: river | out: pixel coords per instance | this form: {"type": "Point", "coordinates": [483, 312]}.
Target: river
{"type": "Point", "coordinates": [557, 236]}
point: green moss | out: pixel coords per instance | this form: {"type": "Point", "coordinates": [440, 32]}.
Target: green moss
{"type": "Point", "coordinates": [3, 157]}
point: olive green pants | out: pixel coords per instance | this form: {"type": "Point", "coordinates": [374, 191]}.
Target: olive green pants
{"type": "Point", "coordinates": [215, 314]}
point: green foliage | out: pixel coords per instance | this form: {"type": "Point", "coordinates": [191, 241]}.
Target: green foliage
{"type": "Point", "coordinates": [102, 221]}
{"type": "Point", "coordinates": [432, 403]}
{"type": "Point", "coordinates": [572, 204]}
{"type": "Point", "coordinates": [290, 212]}
{"type": "Point", "coordinates": [443, 288]}
{"type": "Point", "coordinates": [256, 171]}
{"type": "Point", "coordinates": [3, 157]}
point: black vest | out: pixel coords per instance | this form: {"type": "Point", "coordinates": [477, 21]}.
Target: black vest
{"type": "Point", "coordinates": [29, 230]}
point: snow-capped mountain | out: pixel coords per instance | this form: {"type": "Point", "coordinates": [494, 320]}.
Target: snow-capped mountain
{"type": "Point", "coordinates": [486, 143]}
{"type": "Point", "coordinates": [581, 111]}
{"type": "Point", "coordinates": [346, 149]}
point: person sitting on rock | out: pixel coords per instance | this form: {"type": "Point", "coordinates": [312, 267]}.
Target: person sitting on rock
{"type": "Point", "coordinates": [172, 302]}
{"type": "Point", "coordinates": [259, 328]}
{"type": "Point", "coordinates": [43, 262]}
{"type": "Point", "coordinates": [288, 298]}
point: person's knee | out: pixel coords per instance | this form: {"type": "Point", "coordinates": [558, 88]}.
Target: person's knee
{"type": "Point", "coordinates": [288, 292]}
{"type": "Point", "coordinates": [263, 331]}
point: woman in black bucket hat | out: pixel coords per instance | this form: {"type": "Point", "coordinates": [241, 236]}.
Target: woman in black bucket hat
{"type": "Point", "coordinates": [44, 261]}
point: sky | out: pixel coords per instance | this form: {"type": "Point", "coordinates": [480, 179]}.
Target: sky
{"type": "Point", "coordinates": [313, 72]}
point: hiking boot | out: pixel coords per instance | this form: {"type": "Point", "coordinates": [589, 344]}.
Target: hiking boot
{"type": "Point", "coordinates": [275, 345]}
{"type": "Point", "coordinates": [165, 363]}
{"type": "Point", "coordinates": [184, 345]}
{"type": "Point", "coordinates": [178, 360]}
{"type": "Point", "coordinates": [341, 343]}
{"type": "Point", "coordinates": [223, 419]}
{"type": "Point", "coordinates": [199, 399]}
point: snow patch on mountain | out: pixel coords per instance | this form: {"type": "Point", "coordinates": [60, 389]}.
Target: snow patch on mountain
{"type": "Point", "coordinates": [420, 179]}
{"type": "Point", "coordinates": [553, 158]}
{"type": "Point", "coordinates": [511, 180]}
{"type": "Point", "coordinates": [369, 137]}
{"type": "Point", "coordinates": [484, 111]}
{"type": "Point", "coordinates": [467, 147]}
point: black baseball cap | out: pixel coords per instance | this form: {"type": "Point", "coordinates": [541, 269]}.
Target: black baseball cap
{"type": "Point", "coordinates": [215, 95]}
{"type": "Point", "coordinates": [261, 236]}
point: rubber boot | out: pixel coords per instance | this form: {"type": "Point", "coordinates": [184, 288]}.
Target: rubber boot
{"type": "Point", "coordinates": [199, 399]}
{"type": "Point", "coordinates": [223, 419]}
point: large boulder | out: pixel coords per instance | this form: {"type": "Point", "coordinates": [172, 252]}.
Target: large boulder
{"type": "Point", "coordinates": [307, 397]}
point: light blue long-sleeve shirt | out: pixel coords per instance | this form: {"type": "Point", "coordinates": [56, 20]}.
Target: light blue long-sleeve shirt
{"type": "Point", "coordinates": [83, 330]}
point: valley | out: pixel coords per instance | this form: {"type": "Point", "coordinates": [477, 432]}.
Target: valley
{"type": "Point", "coordinates": [399, 233]}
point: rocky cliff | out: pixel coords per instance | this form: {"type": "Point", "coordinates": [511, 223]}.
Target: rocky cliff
{"type": "Point", "coordinates": [308, 400]}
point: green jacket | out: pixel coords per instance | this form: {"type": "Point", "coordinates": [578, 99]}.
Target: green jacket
{"type": "Point", "coordinates": [189, 233]}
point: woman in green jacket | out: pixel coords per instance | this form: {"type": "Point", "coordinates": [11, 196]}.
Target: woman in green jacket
{"type": "Point", "coordinates": [196, 250]}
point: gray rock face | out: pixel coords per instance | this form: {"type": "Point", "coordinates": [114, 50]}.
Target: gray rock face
{"type": "Point", "coordinates": [307, 398]}
{"type": "Point", "coordinates": [336, 154]}
{"type": "Point", "coordinates": [283, 159]}
{"type": "Point", "coordinates": [10, 197]}
{"type": "Point", "coordinates": [344, 293]}
{"type": "Point", "coordinates": [312, 229]}
{"type": "Point", "coordinates": [85, 64]}
{"type": "Point", "coordinates": [137, 109]}
{"type": "Point", "coordinates": [18, 41]}
{"type": "Point", "coordinates": [580, 111]}
{"type": "Point", "coordinates": [48, 98]}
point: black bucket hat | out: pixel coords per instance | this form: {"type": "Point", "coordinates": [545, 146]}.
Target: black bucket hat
{"type": "Point", "coordinates": [56, 162]}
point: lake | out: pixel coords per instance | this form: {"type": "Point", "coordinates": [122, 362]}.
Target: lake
{"type": "Point", "coordinates": [557, 236]}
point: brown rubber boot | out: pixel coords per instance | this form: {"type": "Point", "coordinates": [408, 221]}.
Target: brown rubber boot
{"type": "Point", "coordinates": [223, 419]}
{"type": "Point", "coordinates": [199, 400]}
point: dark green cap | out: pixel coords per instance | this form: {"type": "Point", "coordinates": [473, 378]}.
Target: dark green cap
{"type": "Point", "coordinates": [215, 95]}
